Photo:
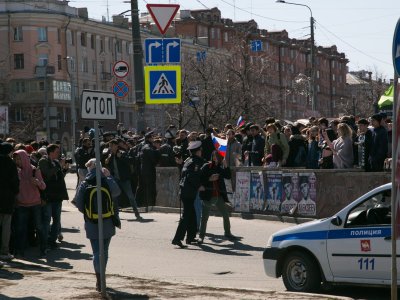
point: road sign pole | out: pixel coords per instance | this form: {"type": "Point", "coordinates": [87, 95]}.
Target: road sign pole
{"type": "Point", "coordinates": [100, 210]}
{"type": "Point", "coordinates": [138, 66]}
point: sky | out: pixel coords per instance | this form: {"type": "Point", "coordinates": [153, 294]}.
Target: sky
{"type": "Point", "coordinates": [362, 29]}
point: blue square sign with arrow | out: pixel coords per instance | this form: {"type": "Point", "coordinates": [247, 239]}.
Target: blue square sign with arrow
{"type": "Point", "coordinates": [162, 51]}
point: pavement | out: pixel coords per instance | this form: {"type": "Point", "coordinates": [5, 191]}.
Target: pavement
{"type": "Point", "coordinates": [67, 273]}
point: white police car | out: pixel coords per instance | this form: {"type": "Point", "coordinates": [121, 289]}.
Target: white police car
{"type": "Point", "coordinates": [352, 247]}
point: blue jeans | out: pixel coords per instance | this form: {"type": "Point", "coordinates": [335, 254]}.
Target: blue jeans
{"type": "Point", "coordinates": [126, 187]}
{"type": "Point", "coordinates": [52, 210]}
{"type": "Point", "coordinates": [198, 208]}
{"type": "Point", "coordinates": [22, 217]}
{"type": "Point", "coordinates": [96, 253]}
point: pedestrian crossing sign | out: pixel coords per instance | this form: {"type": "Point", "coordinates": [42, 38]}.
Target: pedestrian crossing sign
{"type": "Point", "coordinates": [162, 84]}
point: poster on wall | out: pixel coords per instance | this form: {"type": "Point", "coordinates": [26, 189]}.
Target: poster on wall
{"type": "Point", "coordinates": [242, 192]}
{"type": "Point", "coordinates": [306, 205]}
{"type": "Point", "coordinates": [256, 191]}
{"type": "Point", "coordinates": [273, 192]}
{"type": "Point", "coordinates": [290, 192]}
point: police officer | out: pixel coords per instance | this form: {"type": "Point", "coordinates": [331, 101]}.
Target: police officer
{"type": "Point", "coordinates": [149, 157]}
{"type": "Point", "coordinates": [190, 184]}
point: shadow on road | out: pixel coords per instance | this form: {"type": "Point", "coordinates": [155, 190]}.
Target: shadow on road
{"type": "Point", "coordinates": [118, 295]}
{"type": "Point", "coordinates": [217, 244]}
{"type": "Point", "coordinates": [365, 293]}
{"type": "Point", "coordinates": [22, 298]}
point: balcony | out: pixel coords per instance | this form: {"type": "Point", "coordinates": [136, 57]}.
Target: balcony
{"type": "Point", "coordinates": [42, 71]}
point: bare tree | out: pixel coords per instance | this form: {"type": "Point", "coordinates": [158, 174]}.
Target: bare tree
{"type": "Point", "coordinates": [32, 117]}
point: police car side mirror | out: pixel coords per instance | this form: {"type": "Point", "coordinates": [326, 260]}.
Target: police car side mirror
{"type": "Point", "coordinates": [337, 221]}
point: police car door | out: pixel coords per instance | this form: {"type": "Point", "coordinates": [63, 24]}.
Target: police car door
{"type": "Point", "coordinates": [360, 249]}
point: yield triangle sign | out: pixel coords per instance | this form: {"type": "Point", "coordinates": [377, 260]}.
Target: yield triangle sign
{"type": "Point", "coordinates": [163, 14]}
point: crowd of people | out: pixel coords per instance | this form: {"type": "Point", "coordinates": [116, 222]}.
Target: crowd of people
{"type": "Point", "coordinates": [33, 185]}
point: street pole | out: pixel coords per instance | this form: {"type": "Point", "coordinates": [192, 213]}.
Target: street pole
{"type": "Point", "coordinates": [138, 65]}
{"type": "Point", "coordinates": [312, 54]}
{"type": "Point", "coordinates": [312, 75]}
{"type": "Point", "coordinates": [46, 100]}
{"type": "Point", "coordinates": [73, 110]}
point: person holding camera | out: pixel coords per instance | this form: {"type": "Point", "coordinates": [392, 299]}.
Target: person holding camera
{"type": "Point", "coordinates": [82, 155]}
{"type": "Point", "coordinates": [212, 178]}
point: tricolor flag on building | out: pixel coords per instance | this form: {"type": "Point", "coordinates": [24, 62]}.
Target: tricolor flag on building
{"type": "Point", "coordinates": [240, 122]}
{"type": "Point", "coordinates": [219, 144]}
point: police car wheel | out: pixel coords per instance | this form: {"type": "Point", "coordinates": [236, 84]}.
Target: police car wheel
{"type": "Point", "coordinates": [300, 273]}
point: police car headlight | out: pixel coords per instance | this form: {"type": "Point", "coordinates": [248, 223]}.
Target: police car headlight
{"type": "Point", "coordinates": [269, 243]}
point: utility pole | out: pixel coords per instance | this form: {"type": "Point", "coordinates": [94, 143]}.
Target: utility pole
{"type": "Point", "coordinates": [312, 75]}
{"type": "Point", "coordinates": [46, 100]}
{"type": "Point", "coordinates": [138, 66]}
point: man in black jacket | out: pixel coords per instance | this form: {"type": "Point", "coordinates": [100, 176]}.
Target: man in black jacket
{"type": "Point", "coordinates": [9, 187]}
{"type": "Point", "coordinates": [212, 178]}
{"type": "Point", "coordinates": [82, 155]}
{"type": "Point", "coordinates": [257, 147]}
{"type": "Point", "coordinates": [189, 184]}
{"type": "Point", "coordinates": [53, 171]}
{"type": "Point", "coordinates": [379, 144]}
{"type": "Point", "coordinates": [118, 163]}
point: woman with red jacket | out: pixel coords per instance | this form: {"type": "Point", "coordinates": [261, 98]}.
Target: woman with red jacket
{"type": "Point", "coordinates": [212, 177]}
{"type": "Point", "coordinates": [28, 202]}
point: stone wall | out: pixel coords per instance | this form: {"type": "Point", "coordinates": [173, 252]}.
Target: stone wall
{"type": "Point", "coordinates": [335, 188]}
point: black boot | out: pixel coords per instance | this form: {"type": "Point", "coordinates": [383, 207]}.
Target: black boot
{"type": "Point", "coordinates": [98, 282]}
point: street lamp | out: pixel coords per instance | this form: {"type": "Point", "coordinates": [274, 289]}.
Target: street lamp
{"type": "Point", "coordinates": [73, 111]}
{"type": "Point", "coordinates": [312, 75]}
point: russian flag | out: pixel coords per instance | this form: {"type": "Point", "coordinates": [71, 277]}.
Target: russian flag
{"type": "Point", "coordinates": [219, 144]}
{"type": "Point", "coordinates": [240, 122]}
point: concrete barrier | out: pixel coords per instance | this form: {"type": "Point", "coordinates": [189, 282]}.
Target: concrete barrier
{"type": "Point", "coordinates": [335, 188]}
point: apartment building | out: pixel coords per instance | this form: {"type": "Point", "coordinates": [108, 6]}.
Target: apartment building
{"type": "Point", "coordinates": [50, 52]}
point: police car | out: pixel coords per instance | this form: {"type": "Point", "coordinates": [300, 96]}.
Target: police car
{"type": "Point", "coordinates": [352, 247]}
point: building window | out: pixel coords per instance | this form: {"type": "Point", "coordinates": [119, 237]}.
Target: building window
{"type": "Point", "coordinates": [282, 51]}
{"type": "Point", "coordinates": [19, 116]}
{"type": "Point", "coordinates": [318, 89]}
{"type": "Point", "coordinates": [110, 45]}
{"type": "Point", "coordinates": [94, 67]}
{"type": "Point", "coordinates": [84, 65]}
{"type": "Point", "coordinates": [226, 37]}
{"type": "Point", "coordinates": [93, 41]}
{"type": "Point", "coordinates": [72, 64]}
{"type": "Point", "coordinates": [333, 90]}
{"type": "Point", "coordinates": [72, 37]}
{"type": "Point", "coordinates": [43, 60]}
{"type": "Point", "coordinates": [18, 61]}
{"type": "Point", "coordinates": [318, 74]}
{"type": "Point", "coordinates": [83, 39]}
{"type": "Point", "coordinates": [18, 36]}
{"type": "Point", "coordinates": [59, 62]}
{"type": "Point", "coordinates": [102, 45]}
{"type": "Point", "coordinates": [333, 77]}
{"type": "Point", "coordinates": [42, 34]}
{"type": "Point", "coordinates": [58, 35]}
{"type": "Point", "coordinates": [118, 46]}
{"type": "Point", "coordinates": [41, 85]}
{"type": "Point", "coordinates": [85, 86]}
{"type": "Point", "coordinates": [20, 87]}
{"type": "Point", "coordinates": [95, 87]}
{"type": "Point", "coordinates": [292, 53]}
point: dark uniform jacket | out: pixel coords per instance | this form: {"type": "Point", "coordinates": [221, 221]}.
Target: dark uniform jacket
{"type": "Point", "coordinates": [191, 177]}
{"type": "Point", "coordinates": [9, 184]}
{"type": "Point", "coordinates": [167, 156]}
{"type": "Point", "coordinates": [149, 158]}
{"type": "Point", "coordinates": [209, 169]}
{"type": "Point", "coordinates": [379, 148]}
